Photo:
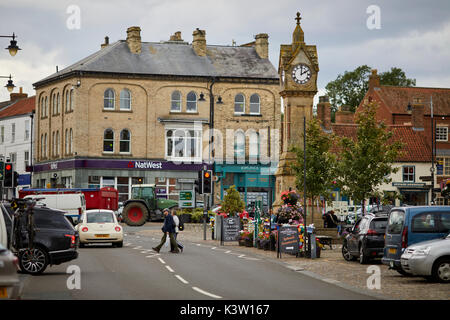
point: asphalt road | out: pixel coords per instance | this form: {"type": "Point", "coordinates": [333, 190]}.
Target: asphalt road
{"type": "Point", "coordinates": [201, 272]}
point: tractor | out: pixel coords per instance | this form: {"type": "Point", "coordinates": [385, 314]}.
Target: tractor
{"type": "Point", "coordinates": [144, 205]}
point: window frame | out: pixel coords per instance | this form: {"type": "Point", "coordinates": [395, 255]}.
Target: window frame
{"type": "Point", "coordinates": [122, 140]}
{"type": "Point", "coordinates": [192, 101]}
{"type": "Point", "coordinates": [254, 103]}
{"type": "Point", "coordinates": [105, 140]}
{"type": "Point", "coordinates": [437, 135]}
{"type": "Point", "coordinates": [243, 104]}
{"type": "Point", "coordinates": [172, 100]}
{"type": "Point", "coordinates": [122, 99]}
{"type": "Point", "coordinates": [408, 174]}
{"type": "Point", "coordinates": [188, 141]}
{"type": "Point", "coordinates": [113, 99]}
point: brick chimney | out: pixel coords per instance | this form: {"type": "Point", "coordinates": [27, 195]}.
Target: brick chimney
{"type": "Point", "coordinates": [324, 112]}
{"type": "Point", "coordinates": [417, 114]}
{"type": "Point", "coordinates": [176, 36]}
{"type": "Point", "coordinates": [134, 39]}
{"type": "Point", "coordinates": [103, 45]}
{"type": "Point", "coordinates": [262, 45]}
{"type": "Point", "coordinates": [374, 79]}
{"type": "Point", "coordinates": [17, 96]}
{"type": "Point", "coordinates": [199, 42]}
{"type": "Point", "coordinates": [344, 115]}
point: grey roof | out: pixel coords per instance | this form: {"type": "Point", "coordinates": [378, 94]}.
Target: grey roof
{"type": "Point", "coordinates": [174, 59]}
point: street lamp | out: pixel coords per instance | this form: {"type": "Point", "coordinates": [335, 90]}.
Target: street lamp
{"type": "Point", "coordinates": [12, 48]}
{"type": "Point", "coordinates": [10, 85]}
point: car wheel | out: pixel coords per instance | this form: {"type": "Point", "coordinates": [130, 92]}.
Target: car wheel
{"type": "Point", "coordinates": [362, 258]}
{"type": "Point", "coordinates": [346, 253]}
{"type": "Point", "coordinates": [33, 261]}
{"type": "Point", "coordinates": [118, 244]}
{"type": "Point", "coordinates": [441, 270]}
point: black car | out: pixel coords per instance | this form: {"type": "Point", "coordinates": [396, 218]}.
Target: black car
{"type": "Point", "coordinates": [365, 240]}
{"type": "Point", "coordinates": [55, 239]}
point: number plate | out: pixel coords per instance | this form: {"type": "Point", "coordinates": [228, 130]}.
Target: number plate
{"type": "Point", "coordinates": [102, 235]}
{"type": "Point", "coordinates": [3, 293]}
{"type": "Point", "coordinates": [392, 251]}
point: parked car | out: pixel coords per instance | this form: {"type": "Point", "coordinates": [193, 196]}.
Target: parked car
{"type": "Point", "coordinates": [55, 239]}
{"type": "Point", "coordinates": [9, 280]}
{"type": "Point", "coordinates": [365, 240]}
{"type": "Point", "coordinates": [100, 226]}
{"type": "Point", "coordinates": [430, 259]}
{"type": "Point", "coordinates": [73, 204]}
{"type": "Point", "coordinates": [411, 225]}
{"type": "Point", "coordinates": [381, 209]}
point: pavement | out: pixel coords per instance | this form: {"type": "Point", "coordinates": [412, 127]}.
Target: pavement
{"type": "Point", "coordinates": [330, 267]}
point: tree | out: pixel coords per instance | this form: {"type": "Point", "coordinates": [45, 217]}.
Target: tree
{"type": "Point", "coordinates": [320, 162]}
{"type": "Point", "coordinates": [232, 202]}
{"type": "Point", "coordinates": [350, 88]}
{"type": "Point", "coordinates": [367, 161]}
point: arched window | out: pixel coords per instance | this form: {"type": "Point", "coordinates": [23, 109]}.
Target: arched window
{"type": "Point", "coordinates": [58, 142]}
{"type": "Point", "coordinates": [191, 102]}
{"type": "Point", "coordinates": [53, 143]}
{"type": "Point", "coordinates": [67, 102]}
{"type": "Point", "coordinates": [42, 146]}
{"type": "Point", "coordinates": [175, 102]}
{"type": "Point", "coordinates": [42, 107]}
{"type": "Point", "coordinates": [45, 145]}
{"type": "Point", "coordinates": [109, 99]}
{"type": "Point", "coordinates": [66, 142]}
{"type": "Point", "coordinates": [58, 106]}
{"type": "Point", "coordinates": [46, 107]}
{"type": "Point", "coordinates": [254, 104]}
{"type": "Point", "coordinates": [239, 146]}
{"type": "Point", "coordinates": [71, 99]}
{"type": "Point", "coordinates": [253, 148]}
{"type": "Point", "coordinates": [108, 140]}
{"type": "Point", "coordinates": [125, 99]}
{"type": "Point", "coordinates": [239, 104]}
{"type": "Point", "coordinates": [54, 104]}
{"type": "Point", "coordinates": [125, 140]}
{"type": "Point", "coordinates": [71, 142]}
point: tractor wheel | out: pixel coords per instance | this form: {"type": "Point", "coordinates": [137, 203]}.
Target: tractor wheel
{"type": "Point", "coordinates": [135, 214]}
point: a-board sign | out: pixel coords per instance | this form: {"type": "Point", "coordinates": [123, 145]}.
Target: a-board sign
{"type": "Point", "coordinates": [230, 229]}
{"type": "Point", "coordinates": [288, 240]}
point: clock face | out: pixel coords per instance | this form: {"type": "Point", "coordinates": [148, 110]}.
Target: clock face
{"type": "Point", "coordinates": [301, 73]}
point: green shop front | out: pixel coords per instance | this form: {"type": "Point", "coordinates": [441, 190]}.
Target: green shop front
{"type": "Point", "coordinates": [253, 181]}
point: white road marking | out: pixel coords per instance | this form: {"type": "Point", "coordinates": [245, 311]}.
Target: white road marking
{"type": "Point", "coordinates": [162, 261]}
{"type": "Point", "coordinates": [206, 293]}
{"type": "Point", "coordinates": [138, 247]}
{"type": "Point", "coordinates": [181, 279]}
{"type": "Point", "coordinates": [170, 269]}
{"type": "Point", "coordinates": [127, 244]}
{"type": "Point", "coordinates": [213, 248]}
{"type": "Point", "coordinates": [147, 251]}
{"type": "Point", "coordinates": [153, 255]}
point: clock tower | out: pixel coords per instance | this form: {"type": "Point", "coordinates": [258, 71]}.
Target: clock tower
{"type": "Point", "coordinates": [298, 68]}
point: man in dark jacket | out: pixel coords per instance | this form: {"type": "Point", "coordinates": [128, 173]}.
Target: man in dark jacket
{"type": "Point", "coordinates": [168, 229]}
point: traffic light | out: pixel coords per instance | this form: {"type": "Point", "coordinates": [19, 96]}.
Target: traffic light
{"type": "Point", "coordinates": [16, 179]}
{"type": "Point", "coordinates": [207, 181]}
{"type": "Point", "coordinates": [199, 183]}
{"type": "Point", "coordinates": [9, 175]}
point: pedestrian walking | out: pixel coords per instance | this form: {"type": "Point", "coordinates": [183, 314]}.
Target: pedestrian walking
{"type": "Point", "coordinates": [169, 230]}
{"type": "Point", "coordinates": [176, 219]}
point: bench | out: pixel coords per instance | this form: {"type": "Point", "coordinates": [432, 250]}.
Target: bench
{"type": "Point", "coordinates": [325, 240]}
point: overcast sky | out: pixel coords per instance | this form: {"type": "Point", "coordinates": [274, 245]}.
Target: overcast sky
{"type": "Point", "coordinates": [413, 35]}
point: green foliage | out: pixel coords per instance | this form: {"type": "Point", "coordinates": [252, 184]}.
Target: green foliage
{"type": "Point", "coordinates": [232, 203]}
{"type": "Point", "coordinates": [367, 162]}
{"type": "Point", "coordinates": [350, 88]}
{"type": "Point", "coordinates": [320, 162]}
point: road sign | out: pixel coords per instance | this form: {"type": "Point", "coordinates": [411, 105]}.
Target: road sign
{"type": "Point", "coordinates": [186, 199]}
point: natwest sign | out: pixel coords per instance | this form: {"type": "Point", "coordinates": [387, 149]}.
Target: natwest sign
{"type": "Point", "coordinates": [145, 165]}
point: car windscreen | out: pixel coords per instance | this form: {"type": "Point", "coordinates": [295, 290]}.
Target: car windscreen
{"type": "Point", "coordinates": [396, 220]}
{"type": "Point", "coordinates": [379, 224]}
{"type": "Point", "coordinates": [100, 217]}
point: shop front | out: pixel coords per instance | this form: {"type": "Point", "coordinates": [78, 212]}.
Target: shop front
{"type": "Point", "coordinates": [413, 194]}
{"type": "Point", "coordinates": [169, 177]}
{"type": "Point", "coordinates": [254, 182]}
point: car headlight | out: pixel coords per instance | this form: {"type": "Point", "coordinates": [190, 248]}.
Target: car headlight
{"type": "Point", "coordinates": [422, 251]}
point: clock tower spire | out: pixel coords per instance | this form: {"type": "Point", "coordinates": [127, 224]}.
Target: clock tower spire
{"type": "Point", "coordinates": [298, 68]}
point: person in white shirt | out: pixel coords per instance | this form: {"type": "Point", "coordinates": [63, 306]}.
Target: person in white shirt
{"type": "Point", "coordinates": [177, 223]}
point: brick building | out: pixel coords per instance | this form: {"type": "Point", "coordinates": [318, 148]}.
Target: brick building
{"type": "Point", "coordinates": [139, 112]}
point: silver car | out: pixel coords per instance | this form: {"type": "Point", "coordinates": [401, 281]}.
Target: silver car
{"type": "Point", "coordinates": [430, 259]}
{"type": "Point", "coordinates": [9, 280]}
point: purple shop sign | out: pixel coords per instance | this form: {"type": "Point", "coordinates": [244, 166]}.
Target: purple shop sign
{"type": "Point", "coordinates": [153, 165]}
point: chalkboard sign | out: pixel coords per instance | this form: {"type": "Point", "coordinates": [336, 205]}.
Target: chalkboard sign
{"type": "Point", "coordinates": [230, 229]}
{"type": "Point", "coordinates": [288, 240]}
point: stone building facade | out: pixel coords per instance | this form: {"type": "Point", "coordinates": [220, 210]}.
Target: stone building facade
{"type": "Point", "coordinates": [139, 112]}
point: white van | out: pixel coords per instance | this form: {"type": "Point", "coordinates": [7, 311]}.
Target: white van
{"type": "Point", "coordinates": [74, 204]}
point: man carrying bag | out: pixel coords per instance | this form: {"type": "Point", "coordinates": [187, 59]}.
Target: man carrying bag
{"type": "Point", "coordinates": [168, 229]}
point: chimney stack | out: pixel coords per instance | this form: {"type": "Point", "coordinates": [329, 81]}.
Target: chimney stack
{"type": "Point", "coordinates": [134, 39]}
{"type": "Point", "coordinates": [344, 115]}
{"type": "Point", "coordinates": [324, 113]}
{"type": "Point", "coordinates": [176, 36]}
{"type": "Point", "coordinates": [417, 114]}
{"type": "Point", "coordinates": [103, 45]}
{"type": "Point", "coordinates": [199, 42]}
{"type": "Point", "coordinates": [262, 45]}
{"type": "Point", "coordinates": [374, 79]}
{"type": "Point", "coordinates": [18, 96]}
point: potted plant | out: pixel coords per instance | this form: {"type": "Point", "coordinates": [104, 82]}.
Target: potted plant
{"type": "Point", "coordinates": [249, 239]}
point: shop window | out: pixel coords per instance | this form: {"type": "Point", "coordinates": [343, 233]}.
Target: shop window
{"type": "Point", "coordinates": [443, 166]}
{"type": "Point", "coordinates": [94, 182]}
{"type": "Point", "coordinates": [108, 140]}
{"type": "Point", "coordinates": [409, 174]}
{"type": "Point", "coordinates": [137, 180]}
